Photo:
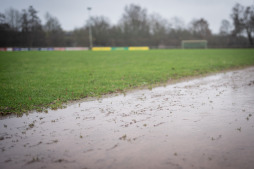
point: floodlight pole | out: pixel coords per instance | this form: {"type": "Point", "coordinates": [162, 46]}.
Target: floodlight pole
{"type": "Point", "coordinates": [90, 29]}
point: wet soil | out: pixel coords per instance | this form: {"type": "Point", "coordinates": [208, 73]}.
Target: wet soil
{"type": "Point", "coordinates": [206, 123]}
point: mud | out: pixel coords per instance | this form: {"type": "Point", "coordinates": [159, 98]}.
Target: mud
{"type": "Point", "coordinates": [205, 123]}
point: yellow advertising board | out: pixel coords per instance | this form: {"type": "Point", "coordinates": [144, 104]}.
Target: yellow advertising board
{"type": "Point", "coordinates": [101, 49]}
{"type": "Point", "coordinates": [139, 48]}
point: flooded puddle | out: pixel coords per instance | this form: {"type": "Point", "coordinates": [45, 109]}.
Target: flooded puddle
{"type": "Point", "coordinates": [204, 123]}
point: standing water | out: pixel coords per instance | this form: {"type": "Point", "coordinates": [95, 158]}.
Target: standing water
{"type": "Point", "coordinates": [204, 123]}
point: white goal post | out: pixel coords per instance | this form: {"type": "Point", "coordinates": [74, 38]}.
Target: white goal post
{"type": "Point", "coordinates": [194, 44]}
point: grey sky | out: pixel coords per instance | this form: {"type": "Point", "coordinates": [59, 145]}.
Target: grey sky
{"type": "Point", "coordinates": [73, 13]}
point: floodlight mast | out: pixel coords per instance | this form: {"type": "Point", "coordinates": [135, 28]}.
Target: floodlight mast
{"type": "Point", "coordinates": [90, 29]}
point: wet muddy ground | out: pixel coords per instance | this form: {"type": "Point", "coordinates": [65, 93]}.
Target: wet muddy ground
{"type": "Point", "coordinates": [206, 123]}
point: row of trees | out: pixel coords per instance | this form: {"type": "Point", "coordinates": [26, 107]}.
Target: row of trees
{"type": "Point", "coordinates": [24, 29]}
{"type": "Point", "coordinates": [135, 28]}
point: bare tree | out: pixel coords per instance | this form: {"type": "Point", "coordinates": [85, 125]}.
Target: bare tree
{"type": "Point", "coordinates": [248, 23]}
{"type": "Point", "coordinates": [177, 23]}
{"type": "Point", "coordinates": [4, 31]}
{"type": "Point", "coordinates": [24, 21]}
{"type": "Point", "coordinates": [53, 31]}
{"type": "Point", "coordinates": [13, 19]}
{"type": "Point", "coordinates": [237, 16]}
{"type": "Point", "coordinates": [81, 37]}
{"type": "Point", "coordinates": [159, 28]}
{"type": "Point", "coordinates": [32, 33]}
{"type": "Point", "coordinates": [200, 28]}
{"type": "Point", "coordinates": [134, 24]}
{"type": "Point", "coordinates": [225, 28]}
{"type": "Point", "coordinates": [2, 18]}
{"type": "Point", "coordinates": [158, 24]}
{"type": "Point", "coordinates": [34, 21]}
{"type": "Point", "coordinates": [52, 23]}
{"type": "Point", "coordinates": [243, 19]}
{"type": "Point", "coordinates": [101, 27]}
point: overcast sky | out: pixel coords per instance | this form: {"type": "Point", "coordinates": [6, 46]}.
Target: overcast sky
{"type": "Point", "coordinates": [73, 13]}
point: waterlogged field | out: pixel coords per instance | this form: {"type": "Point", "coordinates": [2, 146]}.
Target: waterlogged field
{"type": "Point", "coordinates": [204, 123]}
{"type": "Point", "coordinates": [40, 80]}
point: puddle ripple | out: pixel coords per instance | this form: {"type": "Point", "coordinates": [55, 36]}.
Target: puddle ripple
{"type": "Point", "coordinates": [203, 123]}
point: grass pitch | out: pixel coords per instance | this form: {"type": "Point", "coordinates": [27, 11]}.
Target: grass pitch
{"type": "Point", "coordinates": [40, 80]}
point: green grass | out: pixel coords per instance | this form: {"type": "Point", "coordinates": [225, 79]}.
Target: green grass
{"type": "Point", "coordinates": [39, 80]}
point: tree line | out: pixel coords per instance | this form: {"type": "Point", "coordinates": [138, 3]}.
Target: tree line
{"type": "Point", "coordinates": [135, 28]}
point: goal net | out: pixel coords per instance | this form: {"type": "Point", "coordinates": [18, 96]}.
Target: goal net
{"type": "Point", "coordinates": [194, 44]}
